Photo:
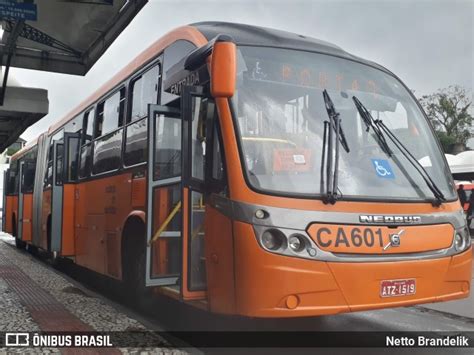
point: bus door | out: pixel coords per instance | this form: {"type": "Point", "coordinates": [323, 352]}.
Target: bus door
{"type": "Point", "coordinates": [175, 218]}
{"type": "Point", "coordinates": [163, 256]}
{"type": "Point", "coordinates": [194, 112]}
{"type": "Point", "coordinates": [19, 231]}
{"type": "Point", "coordinates": [6, 178]}
{"type": "Point", "coordinates": [57, 197]}
{"type": "Point", "coordinates": [65, 155]}
{"type": "Point", "coordinates": [25, 202]}
{"type": "Point", "coordinates": [69, 178]}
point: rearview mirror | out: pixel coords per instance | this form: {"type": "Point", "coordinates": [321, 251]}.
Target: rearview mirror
{"type": "Point", "coordinates": [223, 69]}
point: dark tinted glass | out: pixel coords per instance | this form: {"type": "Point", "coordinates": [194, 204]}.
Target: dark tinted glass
{"type": "Point", "coordinates": [135, 143]}
{"type": "Point", "coordinates": [167, 157]}
{"type": "Point", "coordinates": [111, 113]}
{"type": "Point", "coordinates": [59, 164]}
{"type": "Point", "coordinates": [85, 161]}
{"type": "Point", "coordinates": [144, 92]}
{"type": "Point", "coordinates": [88, 126]}
{"type": "Point", "coordinates": [172, 55]}
{"type": "Point", "coordinates": [107, 153]}
{"type": "Point", "coordinates": [73, 155]}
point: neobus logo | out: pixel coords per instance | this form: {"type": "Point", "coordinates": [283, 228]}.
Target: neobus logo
{"type": "Point", "coordinates": [390, 219]}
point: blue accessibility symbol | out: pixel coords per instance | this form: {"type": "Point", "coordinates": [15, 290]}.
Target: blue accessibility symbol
{"type": "Point", "coordinates": [383, 169]}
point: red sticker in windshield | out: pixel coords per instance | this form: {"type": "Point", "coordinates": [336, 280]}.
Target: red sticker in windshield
{"type": "Point", "coordinates": [291, 160]}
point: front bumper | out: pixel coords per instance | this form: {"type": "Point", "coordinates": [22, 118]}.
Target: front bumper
{"type": "Point", "coordinates": [270, 285]}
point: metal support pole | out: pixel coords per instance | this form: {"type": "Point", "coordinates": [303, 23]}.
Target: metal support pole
{"type": "Point", "coordinates": [10, 51]}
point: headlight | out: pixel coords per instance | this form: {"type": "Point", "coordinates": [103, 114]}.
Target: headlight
{"type": "Point", "coordinates": [462, 239]}
{"type": "Point", "coordinates": [459, 242]}
{"type": "Point", "coordinates": [286, 242]}
{"type": "Point", "coordinates": [297, 242]}
{"type": "Point", "coordinates": [273, 239]}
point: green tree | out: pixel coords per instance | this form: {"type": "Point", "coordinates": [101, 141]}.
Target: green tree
{"type": "Point", "coordinates": [448, 111]}
{"type": "Point", "coordinates": [12, 150]}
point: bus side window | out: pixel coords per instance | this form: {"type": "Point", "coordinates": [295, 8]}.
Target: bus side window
{"type": "Point", "coordinates": [72, 159]}
{"type": "Point", "coordinates": [144, 91]}
{"type": "Point", "coordinates": [216, 180]}
{"type": "Point", "coordinates": [59, 164]}
{"type": "Point", "coordinates": [203, 108]}
{"type": "Point", "coordinates": [14, 178]}
{"type": "Point", "coordinates": [85, 153]}
{"type": "Point", "coordinates": [85, 161]}
{"type": "Point", "coordinates": [28, 177]}
{"type": "Point", "coordinates": [107, 154]}
{"type": "Point", "coordinates": [87, 127]}
{"type": "Point", "coordinates": [110, 113]}
{"type": "Point", "coordinates": [48, 178]}
{"type": "Point", "coordinates": [172, 55]}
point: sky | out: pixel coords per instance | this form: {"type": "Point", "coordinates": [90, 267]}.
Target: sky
{"type": "Point", "coordinates": [429, 44]}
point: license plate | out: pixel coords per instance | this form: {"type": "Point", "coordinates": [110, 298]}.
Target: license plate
{"type": "Point", "coordinates": [394, 288]}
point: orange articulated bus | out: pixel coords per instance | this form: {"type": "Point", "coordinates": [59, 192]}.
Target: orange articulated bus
{"type": "Point", "coordinates": [249, 171]}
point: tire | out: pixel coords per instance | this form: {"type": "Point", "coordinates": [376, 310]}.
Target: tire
{"type": "Point", "coordinates": [14, 226]}
{"type": "Point", "coordinates": [32, 249]}
{"type": "Point", "coordinates": [20, 244]}
{"type": "Point", "coordinates": [134, 262]}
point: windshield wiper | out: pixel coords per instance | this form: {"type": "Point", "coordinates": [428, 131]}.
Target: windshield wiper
{"type": "Point", "coordinates": [379, 128]}
{"type": "Point", "coordinates": [334, 125]}
{"type": "Point", "coordinates": [370, 122]}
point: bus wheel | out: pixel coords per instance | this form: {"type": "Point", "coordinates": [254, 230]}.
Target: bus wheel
{"type": "Point", "coordinates": [20, 244]}
{"type": "Point", "coordinates": [133, 261]}
{"type": "Point", "coordinates": [14, 226]}
{"type": "Point", "coordinates": [32, 249]}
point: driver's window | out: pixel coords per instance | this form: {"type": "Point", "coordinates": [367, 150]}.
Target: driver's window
{"type": "Point", "coordinates": [202, 110]}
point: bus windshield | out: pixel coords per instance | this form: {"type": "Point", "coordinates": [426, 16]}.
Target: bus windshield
{"type": "Point", "coordinates": [280, 114]}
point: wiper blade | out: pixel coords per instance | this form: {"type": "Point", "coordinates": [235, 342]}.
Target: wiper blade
{"type": "Point", "coordinates": [335, 115]}
{"type": "Point", "coordinates": [332, 172]}
{"type": "Point", "coordinates": [379, 126]}
{"type": "Point", "coordinates": [370, 122]}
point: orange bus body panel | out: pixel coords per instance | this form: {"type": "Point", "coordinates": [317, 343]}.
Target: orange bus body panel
{"type": "Point", "coordinates": [219, 261]}
{"type": "Point", "coordinates": [139, 192]}
{"type": "Point", "coordinates": [27, 217]}
{"type": "Point", "coordinates": [9, 214]}
{"type": "Point", "coordinates": [102, 207]}
{"type": "Point", "coordinates": [67, 242]}
{"type": "Point", "coordinates": [436, 280]}
{"type": "Point", "coordinates": [266, 282]}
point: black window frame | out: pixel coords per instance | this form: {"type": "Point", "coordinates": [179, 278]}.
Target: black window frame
{"type": "Point", "coordinates": [158, 62]}
{"type": "Point", "coordinates": [100, 107]}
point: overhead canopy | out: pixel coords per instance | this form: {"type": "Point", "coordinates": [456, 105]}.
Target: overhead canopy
{"type": "Point", "coordinates": [65, 36]}
{"type": "Point", "coordinates": [22, 107]}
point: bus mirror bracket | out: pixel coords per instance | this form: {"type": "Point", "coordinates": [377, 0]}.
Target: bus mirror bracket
{"type": "Point", "coordinates": [223, 66]}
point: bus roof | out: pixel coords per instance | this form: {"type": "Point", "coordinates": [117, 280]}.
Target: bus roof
{"type": "Point", "coordinates": [249, 35]}
{"type": "Point", "coordinates": [199, 34]}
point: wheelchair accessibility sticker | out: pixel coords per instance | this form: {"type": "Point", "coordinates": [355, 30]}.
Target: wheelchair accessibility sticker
{"type": "Point", "coordinates": [383, 169]}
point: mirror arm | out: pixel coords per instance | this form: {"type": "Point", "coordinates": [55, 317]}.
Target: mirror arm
{"type": "Point", "coordinates": [197, 57]}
